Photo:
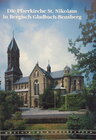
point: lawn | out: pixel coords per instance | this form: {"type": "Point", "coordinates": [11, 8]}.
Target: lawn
{"type": "Point", "coordinates": [46, 126]}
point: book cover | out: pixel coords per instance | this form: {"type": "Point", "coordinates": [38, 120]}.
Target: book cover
{"type": "Point", "coordinates": [47, 69]}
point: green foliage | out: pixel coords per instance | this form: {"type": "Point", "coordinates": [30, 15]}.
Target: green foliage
{"type": "Point", "coordinates": [86, 61]}
{"type": "Point", "coordinates": [19, 125]}
{"type": "Point", "coordinates": [92, 86]}
{"type": "Point", "coordinates": [62, 100]}
{"type": "Point", "coordinates": [8, 124]}
{"type": "Point", "coordinates": [15, 124]}
{"type": "Point", "coordinates": [73, 102]}
{"type": "Point", "coordinates": [91, 102]}
{"type": "Point", "coordinates": [82, 122]}
{"type": "Point", "coordinates": [90, 98]}
{"type": "Point", "coordinates": [17, 116]}
{"type": "Point", "coordinates": [47, 99]}
{"type": "Point", "coordinates": [9, 104]}
{"type": "Point", "coordinates": [63, 108]}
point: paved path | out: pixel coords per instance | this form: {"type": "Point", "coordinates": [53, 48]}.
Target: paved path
{"type": "Point", "coordinates": [38, 113]}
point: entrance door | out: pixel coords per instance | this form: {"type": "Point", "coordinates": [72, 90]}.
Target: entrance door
{"type": "Point", "coordinates": [35, 102]}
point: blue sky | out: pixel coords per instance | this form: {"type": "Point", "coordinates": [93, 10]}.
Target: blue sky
{"type": "Point", "coordinates": [40, 40]}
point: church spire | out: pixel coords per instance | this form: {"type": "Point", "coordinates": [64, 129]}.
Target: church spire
{"type": "Point", "coordinates": [13, 33]}
{"type": "Point", "coordinates": [13, 45]}
{"type": "Point", "coordinates": [13, 72]}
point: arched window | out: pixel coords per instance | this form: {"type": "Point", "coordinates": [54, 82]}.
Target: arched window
{"type": "Point", "coordinates": [36, 87]}
{"type": "Point", "coordinates": [36, 74]}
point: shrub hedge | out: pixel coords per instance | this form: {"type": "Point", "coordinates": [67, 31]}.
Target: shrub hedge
{"type": "Point", "coordinates": [73, 102]}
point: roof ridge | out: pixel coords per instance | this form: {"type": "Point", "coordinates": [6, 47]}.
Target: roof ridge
{"type": "Point", "coordinates": [57, 71]}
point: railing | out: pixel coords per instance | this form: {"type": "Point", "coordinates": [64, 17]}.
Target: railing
{"type": "Point", "coordinates": [47, 132]}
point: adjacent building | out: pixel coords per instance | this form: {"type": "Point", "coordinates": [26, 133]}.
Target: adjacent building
{"type": "Point", "coordinates": [29, 88]}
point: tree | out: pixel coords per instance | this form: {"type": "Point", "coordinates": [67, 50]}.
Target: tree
{"type": "Point", "coordinates": [47, 99]}
{"type": "Point", "coordinates": [86, 61]}
{"type": "Point", "coordinates": [9, 104]}
{"type": "Point", "coordinates": [81, 122]}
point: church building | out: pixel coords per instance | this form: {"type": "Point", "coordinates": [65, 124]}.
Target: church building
{"type": "Point", "coordinates": [30, 87]}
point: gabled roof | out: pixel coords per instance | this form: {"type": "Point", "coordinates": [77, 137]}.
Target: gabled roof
{"type": "Point", "coordinates": [45, 72]}
{"type": "Point", "coordinates": [53, 75]}
{"type": "Point", "coordinates": [22, 80]}
{"type": "Point", "coordinates": [13, 45]}
{"type": "Point", "coordinates": [42, 70]}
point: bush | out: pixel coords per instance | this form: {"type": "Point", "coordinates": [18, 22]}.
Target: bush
{"type": "Point", "coordinates": [73, 102]}
{"type": "Point", "coordinates": [82, 122]}
{"type": "Point", "coordinates": [9, 104]}
{"type": "Point", "coordinates": [85, 121]}
{"type": "Point", "coordinates": [8, 124]}
{"type": "Point", "coordinates": [17, 116]}
{"type": "Point", "coordinates": [91, 102]}
{"type": "Point", "coordinates": [19, 125]}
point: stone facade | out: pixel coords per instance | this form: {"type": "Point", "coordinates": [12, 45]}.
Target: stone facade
{"type": "Point", "coordinates": [29, 88]}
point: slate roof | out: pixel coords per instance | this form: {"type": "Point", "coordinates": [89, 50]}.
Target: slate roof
{"type": "Point", "coordinates": [22, 80]}
{"type": "Point", "coordinates": [57, 74]}
{"type": "Point", "coordinates": [52, 75]}
{"type": "Point", "coordinates": [13, 45]}
{"type": "Point", "coordinates": [46, 73]}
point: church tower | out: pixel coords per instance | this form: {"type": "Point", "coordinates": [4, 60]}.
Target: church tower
{"type": "Point", "coordinates": [13, 72]}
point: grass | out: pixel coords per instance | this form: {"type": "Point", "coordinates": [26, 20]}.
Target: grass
{"type": "Point", "coordinates": [46, 126]}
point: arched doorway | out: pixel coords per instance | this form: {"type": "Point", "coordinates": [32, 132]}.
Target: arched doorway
{"type": "Point", "coordinates": [36, 104]}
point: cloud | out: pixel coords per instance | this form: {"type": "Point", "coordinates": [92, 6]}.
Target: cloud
{"type": "Point", "coordinates": [42, 45]}
{"type": "Point", "coordinates": [5, 30]}
{"type": "Point", "coordinates": [36, 44]}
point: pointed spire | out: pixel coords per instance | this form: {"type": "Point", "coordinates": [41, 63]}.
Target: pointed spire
{"type": "Point", "coordinates": [37, 63]}
{"type": "Point", "coordinates": [13, 33]}
{"type": "Point", "coordinates": [13, 45]}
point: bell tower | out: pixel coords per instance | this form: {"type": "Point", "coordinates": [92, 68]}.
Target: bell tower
{"type": "Point", "coordinates": [13, 72]}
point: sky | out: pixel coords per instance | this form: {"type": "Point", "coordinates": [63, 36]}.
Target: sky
{"type": "Point", "coordinates": [40, 40]}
